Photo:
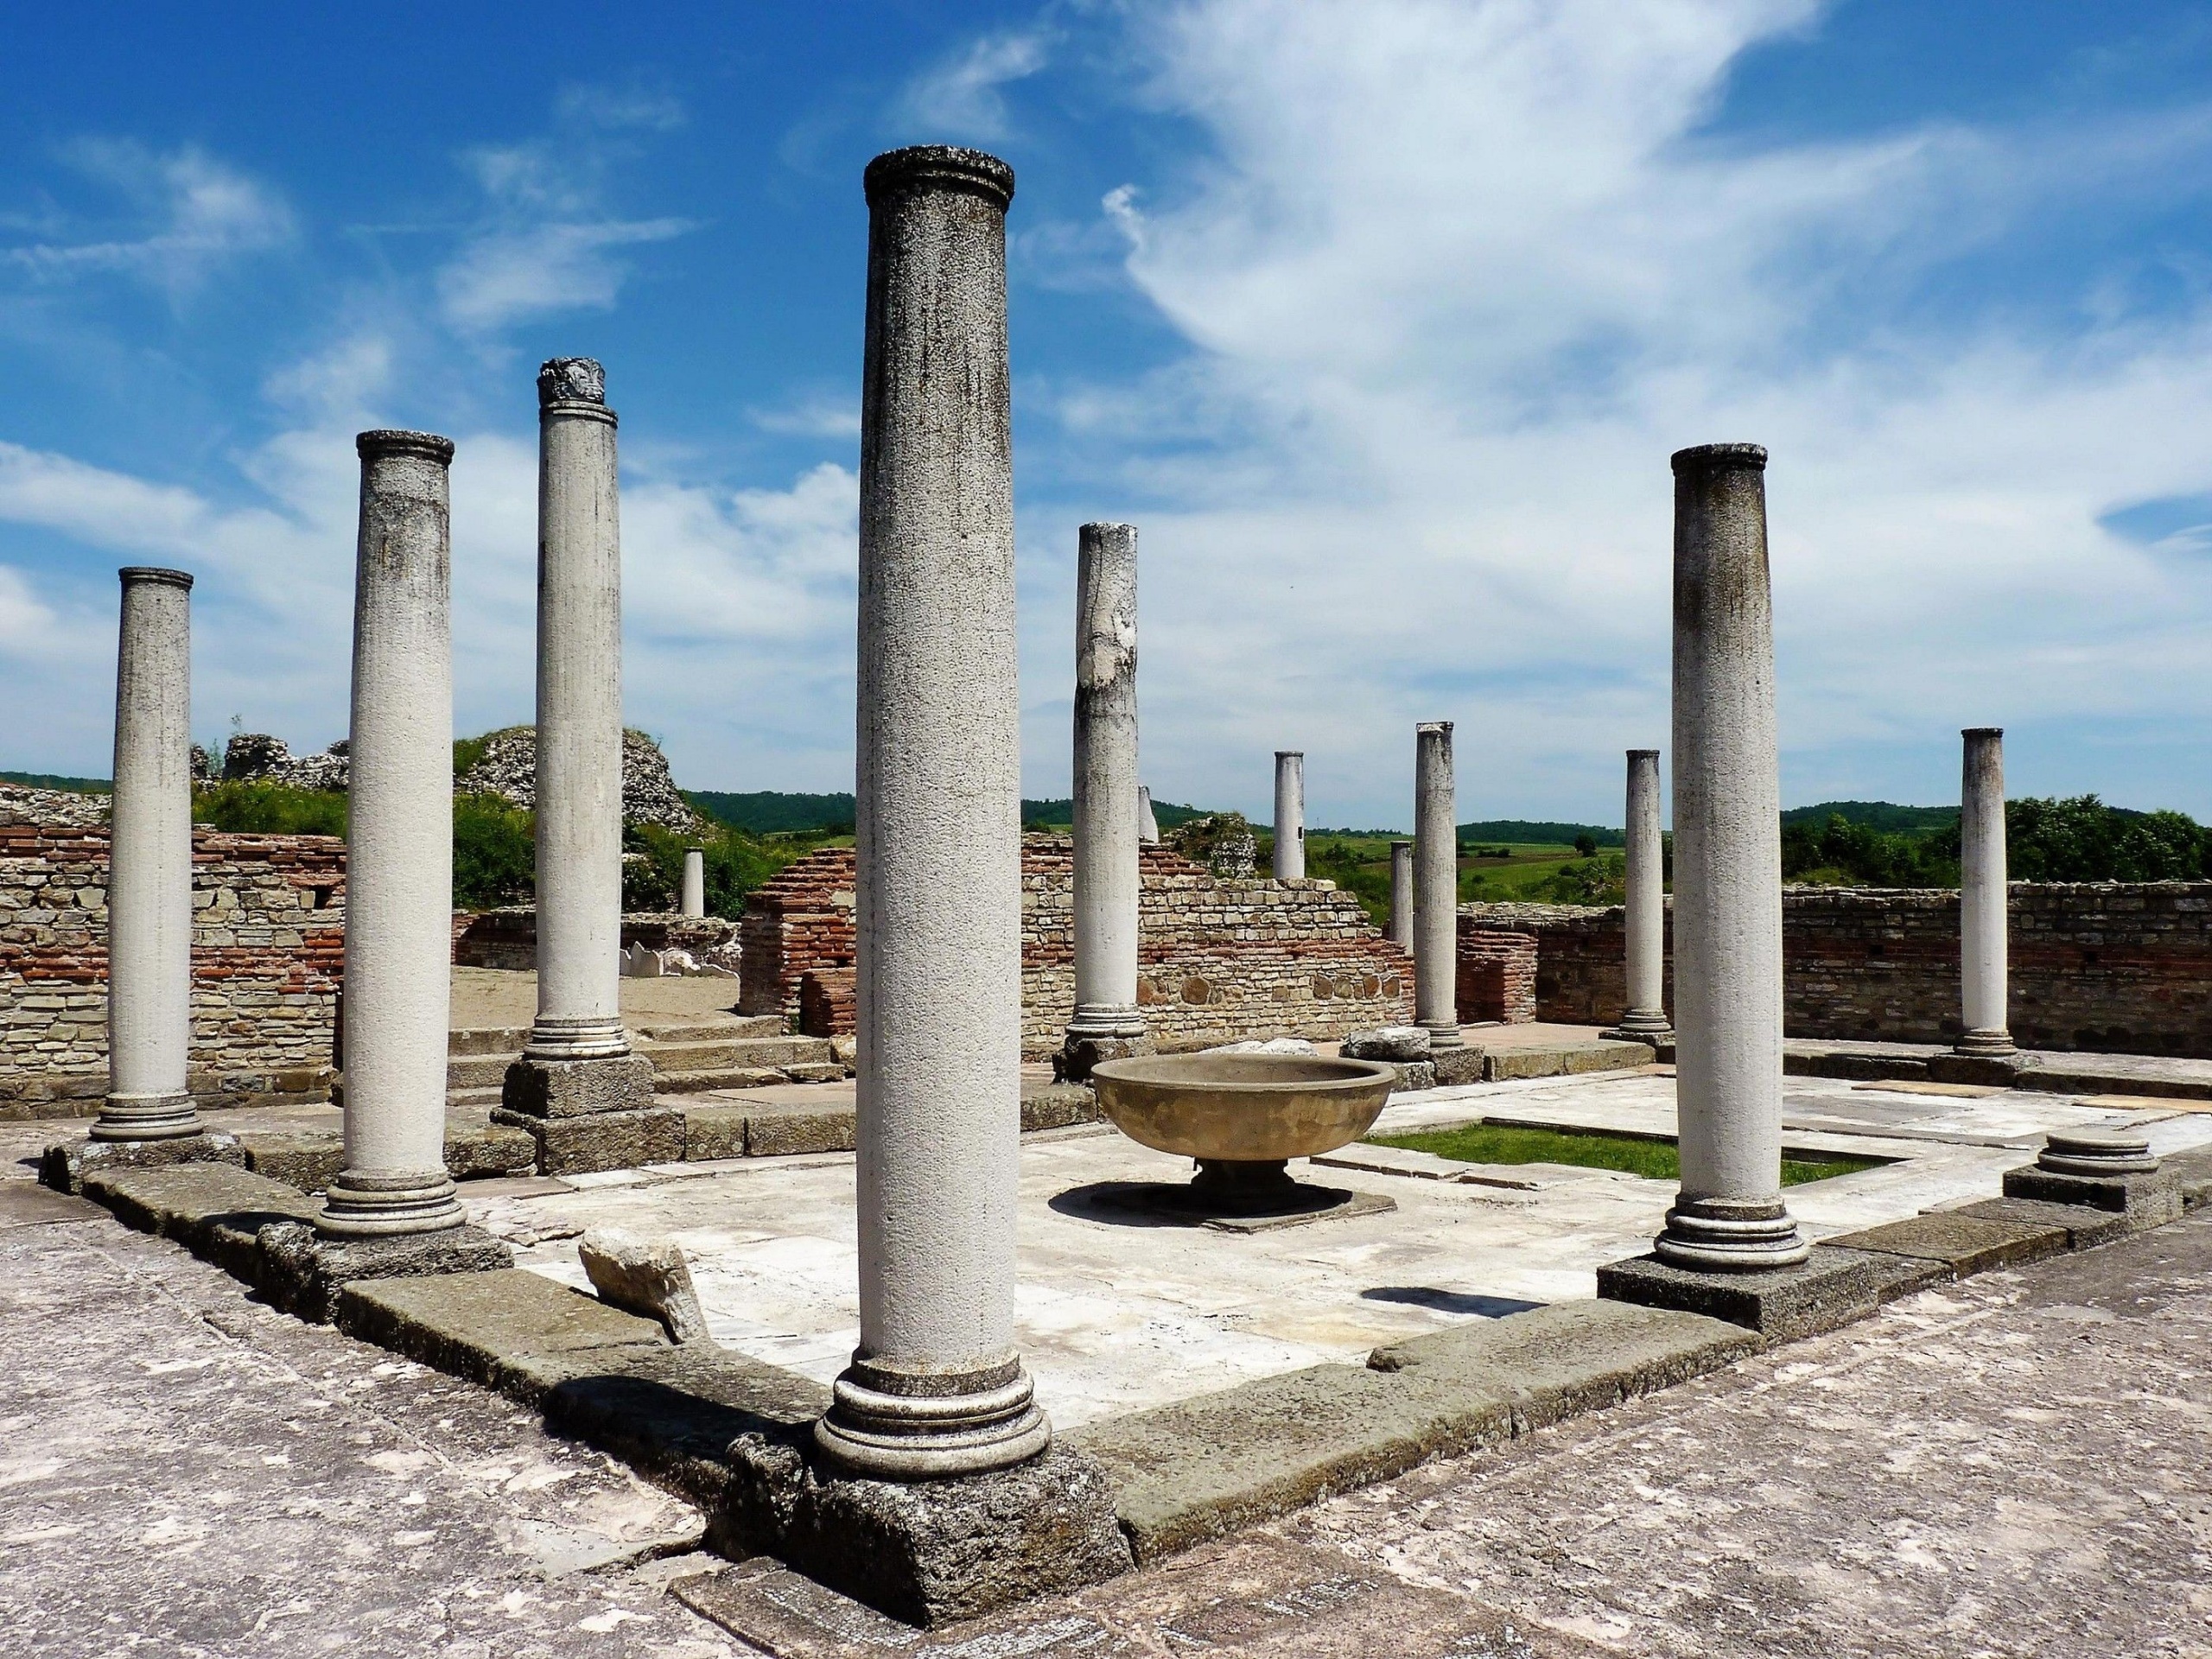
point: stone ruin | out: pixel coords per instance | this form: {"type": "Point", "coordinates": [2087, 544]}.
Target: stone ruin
{"type": "Point", "coordinates": [508, 768]}
{"type": "Point", "coordinates": [257, 758]}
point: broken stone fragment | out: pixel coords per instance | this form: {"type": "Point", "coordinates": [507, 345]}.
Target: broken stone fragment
{"type": "Point", "coordinates": [1273, 1045]}
{"type": "Point", "coordinates": [645, 1276]}
{"type": "Point", "coordinates": [1389, 1043]}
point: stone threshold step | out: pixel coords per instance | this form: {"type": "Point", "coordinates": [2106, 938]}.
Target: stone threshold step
{"type": "Point", "coordinates": [2045, 1073]}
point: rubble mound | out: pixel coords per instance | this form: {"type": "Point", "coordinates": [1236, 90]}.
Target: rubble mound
{"type": "Point", "coordinates": [59, 808]}
{"type": "Point", "coordinates": [508, 768]}
{"type": "Point", "coordinates": [257, 758]}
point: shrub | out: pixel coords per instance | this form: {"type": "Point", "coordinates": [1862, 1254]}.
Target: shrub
{"type": "Point", "coordinates": [494, 853]}
{"type": "Point", "coordinates": [266, 808]}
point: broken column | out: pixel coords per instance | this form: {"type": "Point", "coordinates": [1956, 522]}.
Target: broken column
{"type": "Point", "coordinates": [1436, 887]}
{"type": "Point", "coordinates": [149, 868]}
{"type": "Point", "coordinates": [577, 1060]}
{"type": "Point", "coordinates": [1646, 919]}
{"type": "Point", "coordinates": [1982, 916]}
{"type": "Point", "coordinates": [1108, 801]}
{"type": "Point", "coordinates": [1147, 825]}
{"type": "Point", "coordinates": [1727, 874]}
{"type": "Point", "coordinates": [936, 1387]}
{"type": "Point", "coordinates": [694, 899]}
{"type": "Point", "coordinates": [398, 849]}
{"type": "Point", "coordinates": [1290, 814]}
{"type": "Point", "coordinates": [1401, 894]}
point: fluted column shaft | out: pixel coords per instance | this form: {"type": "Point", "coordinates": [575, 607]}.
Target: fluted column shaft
{"type": "Point", "coordinates": [1728, 872]}
{"type": "Point", "coordinates": [1436, 886]}
{"type": "Point", "coordinates": [1645, 923]}
{"type": "Point", "coordinates": [937, 1386]}
{"type": "Point", "coordinates": [1108, 803]}
{"type": "Point", "coordinates": [399, 848]}
{"type": "Point", "coordinates": [149, 866]}
{"type": "Point", "coordinates": [1983, 918]}
{"type": "Point", "coordinates": [1290, 814]}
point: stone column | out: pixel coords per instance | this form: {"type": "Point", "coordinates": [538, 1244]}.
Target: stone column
{"type": "Point", "coordinates": [577, 1060]}
{"type": "Point", "coordinates": [1107, 801]}
{"type": "Point", "coordinates": [150, 866]}
{"type": "Point", "coordinates": [398, 849]}
{"type": "Point", "coordinates": [1436, 887]}
{"type": "Point", "coordinates": [1290, 814]}
{"type": "Point", "coordinates": [1401, 894]}
{"type": "Point", "coordinates": [1147, 825]}
{"type": "Point", "coordinates": [1982, 917]}
{"type": "Point", "coordinates": [1727, 874]}
{"type": "Point", "coordinates": [935, 1386]}
{"type": "Point", "coordinates": [693, 902]}
{"type": "Point", "coordinates": [1646, 920]}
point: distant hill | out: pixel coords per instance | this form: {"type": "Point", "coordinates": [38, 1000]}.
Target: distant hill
{"type": "Point", "coordinates": [1524, 829]}
{"type": "Point", "coordinates": [769, 811]}
{"type": "Point", "coordinates": [50, 780]}
{"type": "Point", "coordinates": [1063, 811]}
{"type": "Point", "coordinates": [1885, 816]}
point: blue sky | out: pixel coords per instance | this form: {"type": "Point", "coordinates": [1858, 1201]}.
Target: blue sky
{"type": "Point", "coordinates": [1379, 320]}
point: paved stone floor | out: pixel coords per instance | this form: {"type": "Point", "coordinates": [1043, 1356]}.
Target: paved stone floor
{"type": "Point", "coordinates": [2011, 1467]}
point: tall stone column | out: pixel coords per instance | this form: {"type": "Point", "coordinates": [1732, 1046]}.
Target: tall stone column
{"type": "Point", "coordinates": [935, 1386]}
{"type": "Point", "coordinates": [1727, 874]}
{"type": "Point", "coordinates": [1646, 920]}
{"type": "Point", "coordinates": [1290, 814]}
{"type": "Point", "coordinates": [1436, 887]}
{"type": "Point", "coordinates": [1983, 919]}
{"type": "Point", "coordinates": [398, 849]}
{"type": "Point", "coordinates": [1107, 801]}
{"type": "Point", "coordinates": [1147, 825]}
{"type": "Point", "coordinates": [1401, 894]}
{"type": "Point", "coordinates": [694, 899]}
{"type": "Point", "coordinates": [149, 867]}
{"type": "Point", "coordinates": [577, 1060]}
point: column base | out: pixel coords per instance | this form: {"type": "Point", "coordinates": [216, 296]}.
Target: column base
{"type": "Point", "coordinates": [1830, 1287]}
{"type": "Point", "coordinates": [365, 1204]}
{"type": "Point", "coordinates": [1644, 1026]}
{"type": "Point", "coordinates": [147, 1118]}
{"type": "Point", "coordinates": [894, 1426]}
{"type": "Point", "coordinates": [1099, 1033]}
{"type": "Point", "coordinates": [1730, 1234]}
{"type": "Point", "coordinates": [2108, 1169]}
{"type": "Point", "coordinates": [571, 1087]}
{"type": "Point", "coordinates": [576, 1039]}
{"type": "Point", "coordinates": [1442, 1035]}
{"type": "Point", "coordinates": [1989, 1043]}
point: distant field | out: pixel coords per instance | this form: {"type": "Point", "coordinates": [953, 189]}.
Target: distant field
{"type": "Point", "coordinates": [54, 780]}
{"type": "Point", "coordinates": [1527, 871]}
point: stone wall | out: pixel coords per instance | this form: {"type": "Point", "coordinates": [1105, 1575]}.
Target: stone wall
{"type": "Point", "coordinates": [267, 957]}
{"type": "Point", "coordinates": [507, 937]}
{"type": "Point", "coordinates": [2101, 967]}
{"type": "Point", "coordinates": [1218, 959]}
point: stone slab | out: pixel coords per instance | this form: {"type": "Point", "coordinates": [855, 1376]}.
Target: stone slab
{"type": "Point", "coordinates": [1199, 1468]}
{"type": "Point", "coordinates": [31, 1203]}
{"type": "Point", "coordinates": [478, 1149]}
{"type": "Point", "coordinates": [1057, 1106]}
{"type": "Point", "coordinates": [561, 1089]}
{"type": "Point", "coordinates": [2192, 1173]}
{"type": "Point", "coordinates": [66, 1164]}
{"type": "Point", "coordinates": [1456, 1067]}
{"type": "Point", "coordinates": [2149, 1200]}
{"type": "Point", "coordinates": [1832, 1288]}
{"type": "Point", "coordinates": [783, 1131]}
{"type": "Point", "coordinates": [308, 1275]}
{"type": "Point", "coordinates": [1572, 1357]}
{"type": "Point", "coordinates": [712, 1132]}
{"type": "Point", "coordinates": [308, 1158]}
{"type": "Point", "coordinates": [2086, 1226]}
{"type": "Point", "coordinates": [1802, 1059]}
{"type": "Point", "coordinates": [2000, 1071]}
{"type": "Point", "coordinates": [930, 1552]}
{"type": "Point", "coordinates": [1967, 1244]}
{"type": "Point", "coordinates": [183, 1201]}
{"type": "Point", "coordinates": [603, 1141]}
{"type": "Point", "coordinates": [1942, 1091]}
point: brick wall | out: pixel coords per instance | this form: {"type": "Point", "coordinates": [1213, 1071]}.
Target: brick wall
{"type": "Point", "coordinates": [2107, 968]}
{"type": "Point", "coordinates": [267, 955]}
{"type": "Point", "coordinates": [1217, 958]}
{"type": "Point", "coordinates": [1497, 975]}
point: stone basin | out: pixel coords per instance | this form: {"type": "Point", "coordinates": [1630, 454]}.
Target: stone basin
{"type": "Point", "coordinates": [1242, 1117]}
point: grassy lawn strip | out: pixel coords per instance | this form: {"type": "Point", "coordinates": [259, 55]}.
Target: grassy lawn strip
{"type": "Point", "coordinates": [1491, 1143]}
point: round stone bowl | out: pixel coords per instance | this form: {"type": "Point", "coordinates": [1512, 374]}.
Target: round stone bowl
{"type": "Point", "coordinates": [1242, 1108]}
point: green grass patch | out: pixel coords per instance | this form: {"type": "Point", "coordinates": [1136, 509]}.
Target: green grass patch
{"type": "Point", "coordinates": [1656, 1161]}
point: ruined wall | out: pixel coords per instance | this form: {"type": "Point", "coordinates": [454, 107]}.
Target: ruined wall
{"type": "Point", "coordinates": [2102, 967]}
{"type": "Point", "coordinates": [267, 956]}
{"type": "Point", "coordinates": [1217, 958]}
{"type": "Point", "coordinates": [507, 937]}
{"type": "Point", "coordinates": [1496, 976]}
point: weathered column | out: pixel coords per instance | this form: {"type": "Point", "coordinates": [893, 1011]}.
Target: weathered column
{"type": "Point", "coordinates": [1646, 920]}
{"type": "Point", "coordinates": [935, 1386]}
{"type": "Point", "coordinates": [1436, 887]}
{"type": "Point", "coordinates": [694, 901]}
{"type": "Point", "coordinates": [1401, 894]}
{"type": "Point", "coordinates": [150, 866]}
{"type": "Point", "coordinates": [1728, 872]}
{"type": "Point", "coordinates": [1147, 825]}
{"type": "Point", "coordinates": [1107, 801]}
{"type": "Point", "coordinates": [1290, 814]}
{"type": "Point", "coordinates": [577, 1060]}
{"type": "Point", "coordinates": [1982, 916]}
{"type": "Point", "coordinates": [398, 849]}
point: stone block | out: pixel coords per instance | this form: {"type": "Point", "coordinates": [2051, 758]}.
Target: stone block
{"type": "Point", "coordinates": [183, 1201]}
{"type": "Point", "coordinates": [1414, 1076]}
{"type": "Point", "coordinates": [1831, 1288]}
{"type": "Point", "coordinates": [2192, 1173]}
{"type": "Point", "coordinates": [645, 1276]}
{"type": "Point", "coordinates": [711, 1132]}
{"type": "Point", "coordinates": [506, 1328]}
{"type": "Point", "coordinates": [1965, 1243]}
{"type": "Point", "coordinates": [559, 1088]}
{"type": "Point", "coordinates": [815, 1072]}
{"type": "Point", "coordinates": [309, 1158]}
{"type": "Point", "coordinates": [1058, 1107]}
{"type": "Point", "coordinates": [581, 1146]}
{"type": "Point", "coordinates": [2085, 1225]}
{"type": "Point", "coordinates": [65, 1165]}
{"type": "Point", "coordinates": [1553, 1362]}
{"type": "Point", "coordinates": [1999, 1071]}
{"type": "Point", "coordinates": [1397, 1043]}
{"type": "Point", "coordinates": [476, 1148]}
{"type": "Point", "coordinates": [929, 1551]}
{"type": "Point", "coordinates": [2149, 1200]}
{"type": "Point", "coordinates": [307, 1273]}
{"type": "Point", "coordinates": [1455, 1067]}
{"type": "Point", "coordinates": [778, 1131]}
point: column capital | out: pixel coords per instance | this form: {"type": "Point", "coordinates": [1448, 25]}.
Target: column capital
{"type": "Point", "coordinates": [387, 442]}
{"type": "Point", "coordinates": [939, 167]}
{"type": "Point", "coordinates": [1712, 457]}
{"type": "Point", "coordinates": [133, 575]}
{"type": "Point", "coordinates": [571, 380]}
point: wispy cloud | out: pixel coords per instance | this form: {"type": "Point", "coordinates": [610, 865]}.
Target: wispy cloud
{"type": "Point", "coordinates": [190, 214]}
{"type": "Point", "coordinates": [963, 96]}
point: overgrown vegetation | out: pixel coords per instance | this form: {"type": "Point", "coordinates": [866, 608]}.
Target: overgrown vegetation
{"type": "Point", "coordinates": [735, 864]}
{"type": "Point", "coordinates": [494, 853]}
{"type": "Point", "coordinates": [1655, 1161]}
{"type": "Point", "coordinates": [2078, 839]}
{"type": "Point", "coordinates": [265, 809]}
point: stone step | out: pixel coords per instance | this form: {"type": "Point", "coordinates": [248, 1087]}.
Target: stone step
{"type": "Point", "coordinates": [479, 1070]}
{"type": "Point", "coordinates": [728, 1076]}
{"type": "Point", "coordinates": [487, 1040]}
{"type": "Point", "coordinates": [725, 1027]}
{"type": "Point", "coordinates": [669, 1058]}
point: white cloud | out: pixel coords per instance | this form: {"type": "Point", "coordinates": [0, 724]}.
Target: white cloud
{"type": "Point", "coordinates": [194, 213]}
{"type": "Point", "coordinates": [508, 274]}
{"type": "Point", "coordinates": [963, 96]}
{"type": "Point", "coordinates": [1458, 277]}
